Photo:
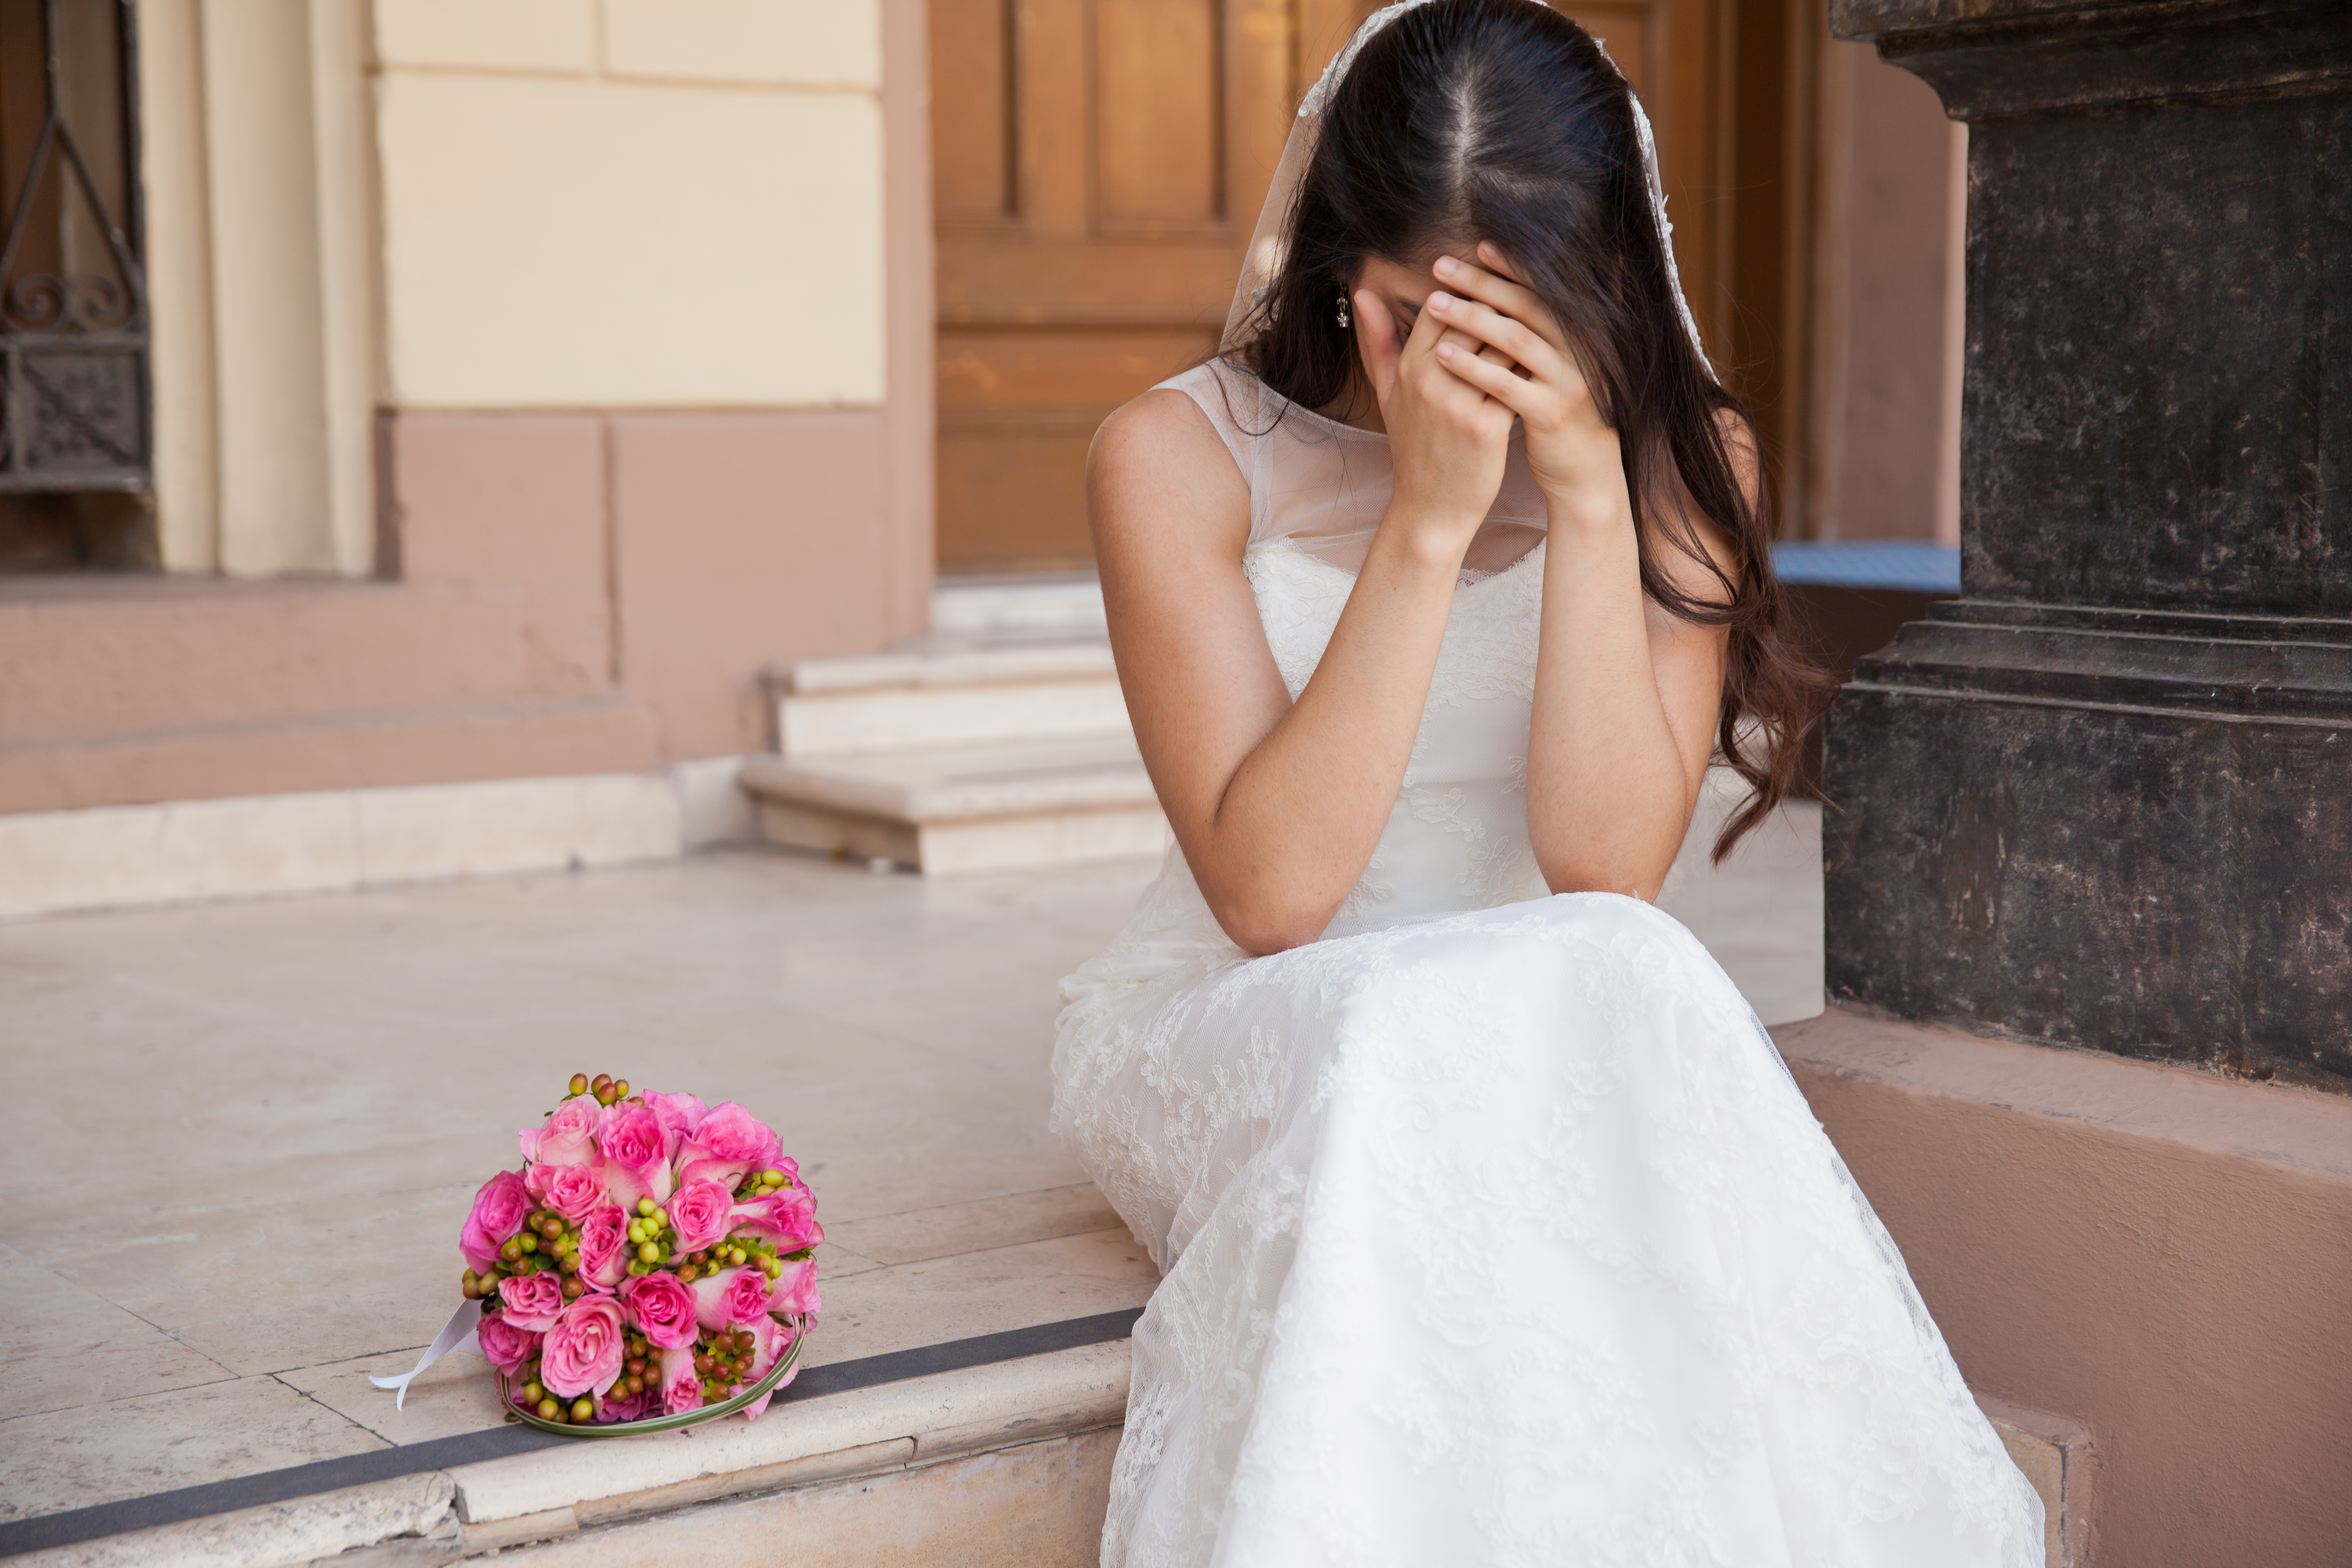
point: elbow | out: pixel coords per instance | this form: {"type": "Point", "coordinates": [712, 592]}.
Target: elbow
{"type": "Point", "coordinates": [1262, 927]}
{"type": "Point", "coordinates": [1265, 938]}
{"type": "Point", "coordinates": [1567, 875]}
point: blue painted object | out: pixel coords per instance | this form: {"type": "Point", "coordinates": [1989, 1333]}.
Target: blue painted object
{"type": "Point", "coordinates": [1906, 564]}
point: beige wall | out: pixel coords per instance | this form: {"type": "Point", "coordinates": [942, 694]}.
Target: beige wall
{"type": "Point", "coordinates": [632, 203]}
{"type": "Point", "coordinates": [1884, 459]}
{"type": "Point", "coordinates": [258, 180]}
{"type": "Point", "coordinates": [535, 203]}
{"type": "Point", "coordinates": [598, 332]}
{"type": "Point", "coordinates": [657, 333]}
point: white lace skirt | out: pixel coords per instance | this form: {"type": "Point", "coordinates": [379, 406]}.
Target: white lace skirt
{"type": "Point", "coordinates": [1505, 1237]}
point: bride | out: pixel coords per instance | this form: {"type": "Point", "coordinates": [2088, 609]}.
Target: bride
{"type": "Point", "coordinates": [1493, 1229]}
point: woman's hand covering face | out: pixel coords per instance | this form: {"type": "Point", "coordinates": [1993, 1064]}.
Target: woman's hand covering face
{"type": "Point", "coordinates": [1447, 437]}
{"type": "Point", "coordinates": [1498, 339]}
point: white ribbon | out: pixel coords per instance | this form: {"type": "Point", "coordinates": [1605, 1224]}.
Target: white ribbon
{"type": "Point", "coordinates": [457, 1334]}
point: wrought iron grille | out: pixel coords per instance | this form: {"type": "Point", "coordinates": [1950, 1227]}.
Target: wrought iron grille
{"type": "Point", "coordinates": [74, 412]}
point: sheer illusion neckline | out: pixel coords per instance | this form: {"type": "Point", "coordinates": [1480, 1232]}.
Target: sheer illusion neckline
{"type": "Point", "coordinates": [1325, 420]}
{"type": "Point", "coordinates": [1465, 577]}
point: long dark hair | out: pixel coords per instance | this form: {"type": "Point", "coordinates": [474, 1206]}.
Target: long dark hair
{"type": "Point", "coordinates": [1500, 119]}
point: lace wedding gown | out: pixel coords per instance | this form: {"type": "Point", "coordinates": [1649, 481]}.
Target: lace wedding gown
{"type": "Point", "coordinates": [1494, 1230]}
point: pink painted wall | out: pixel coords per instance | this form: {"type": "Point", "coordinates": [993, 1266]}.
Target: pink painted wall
{"type": "Point", "coordinates": [2160, 1256]}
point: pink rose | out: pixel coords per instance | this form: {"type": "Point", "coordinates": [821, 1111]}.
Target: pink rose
{"type": "Point", "coordinates": [730, 1142]}
{"type": "Point", "coordinates": [500, 1209]}
{"type": "Point", "coordinates": [699, 1211]}
{"type": "Point", "coordinates": [731, 1296]}
{"type": "Point", "coordinates": [619, 1406]}
{"type": "Point", "coordinates": [575, 1192]}
{"type": "Point", "coordinates": [568, 1135]}
{"type": "Point", "coordinates": [770, 1340]}
{"type": "Point", "coordinates": [795, 1295]}
{"type": "Point", "coordinates": [532, 1300]}
{"type": "Point", "coordinates": [504, 1346]}
{"type": "Point", "coordinates": [660, 1308]}
{"type": "Point", "coordinates": [637, 1149]}
{"type": "Point", "coordinates": [681, 1390]}
{"type": "Point", "coordinates": [679, 1113]}
{"type": "Point", "coordinates": [604, 1248]}
{"type": "Point", "coordinates": [583, 1351]}
{"type": "Point", "coordinates": [787, 1217]}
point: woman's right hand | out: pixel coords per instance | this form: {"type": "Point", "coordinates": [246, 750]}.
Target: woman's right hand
{"type": "Point", "coordinates": [1446, 439]}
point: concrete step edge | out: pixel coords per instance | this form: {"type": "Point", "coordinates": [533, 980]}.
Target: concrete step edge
{"type": "Point", "coordinates": [975, 664]}
{"type": "Point", "coordinates": [866, 786]}
{"type": "Point", "coordinates": [1003, 1404]}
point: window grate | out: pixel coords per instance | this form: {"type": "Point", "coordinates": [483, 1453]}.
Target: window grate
{"type": "Point", "coordinates": [74, 395]}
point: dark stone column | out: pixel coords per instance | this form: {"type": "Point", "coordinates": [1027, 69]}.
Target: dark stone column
{"type": "Point", "coordinates": [2104, 799]}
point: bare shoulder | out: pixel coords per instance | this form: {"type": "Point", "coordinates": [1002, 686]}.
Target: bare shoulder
{"type": "Point", "coordinates": [1156, 463]}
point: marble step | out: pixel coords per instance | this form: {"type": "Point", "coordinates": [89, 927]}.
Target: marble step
{"type": "Point", "coordinates": [947, 690]}
{"type": "Point", "coordinates": [953, 809]}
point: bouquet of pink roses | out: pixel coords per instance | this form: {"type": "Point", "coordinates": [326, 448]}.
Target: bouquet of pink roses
{"type": "Point", "coordinates": [652, 1258]}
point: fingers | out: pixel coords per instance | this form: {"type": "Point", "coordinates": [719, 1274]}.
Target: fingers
{"type": "Point", "coordinates": [1498, 378]}
{"type": "Point", "coordinates": [1490, 326]}
{"type": "Point", "coordinates": [1497, 285]}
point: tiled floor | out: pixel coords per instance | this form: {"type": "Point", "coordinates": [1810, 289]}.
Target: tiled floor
{"type": "Point", "coordinates": [243, 1136]}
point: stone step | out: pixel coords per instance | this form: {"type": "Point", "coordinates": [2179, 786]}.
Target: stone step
{"type": "Point", "coordinates": [1050, 603]}
{"type": "Point", "coordinates": [1000, 1464]}
{"type": "Point", "coordinates": [992, 1465]}
{"type": "Point", "coordinates": [947, 691]}
{"type": "Point", "coordinates": [946, 810]}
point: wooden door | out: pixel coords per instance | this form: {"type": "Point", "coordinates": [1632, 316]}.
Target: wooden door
{"type": "Point", "coordinates": [1669, 50]}
{"type": "Point", "coordinates": [1097, 165]}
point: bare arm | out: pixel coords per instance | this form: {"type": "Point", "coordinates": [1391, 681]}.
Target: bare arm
{"type": "Point", "coordinates": [1278, 806]}
{"type": "Point", "coordinates": [1627, 694]}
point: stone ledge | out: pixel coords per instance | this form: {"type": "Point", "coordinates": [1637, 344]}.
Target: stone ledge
{"type": "Point", "coordinates": [2056, 1455]}
{"type": "Point", "coordinates": [337, 840]}
{"type": "Point", "coordinates": [1033, 1504]}
{"type": "Point", "coordinates": [2279, 1124]}
{"type": "Point", "coordinates": [552, 1493]}
{"type": "Point", "coordinates": [993, 1405]}
{"type": "Point", "coordinates": [299, 1530]}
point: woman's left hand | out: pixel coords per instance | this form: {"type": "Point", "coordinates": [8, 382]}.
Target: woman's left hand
{"type": "Point", "coordinates": [1526, 367]}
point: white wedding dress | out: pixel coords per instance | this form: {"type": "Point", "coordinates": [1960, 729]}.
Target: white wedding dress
{"type": "Point", "coordinates": [1494, 1230]}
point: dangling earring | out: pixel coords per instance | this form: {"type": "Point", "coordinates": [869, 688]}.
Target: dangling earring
{"type": "Point", "coordinates": [1343, 310]}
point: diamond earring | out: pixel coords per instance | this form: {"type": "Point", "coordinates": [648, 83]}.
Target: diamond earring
{"type": "Point", "coordinates": [1343, 310]}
